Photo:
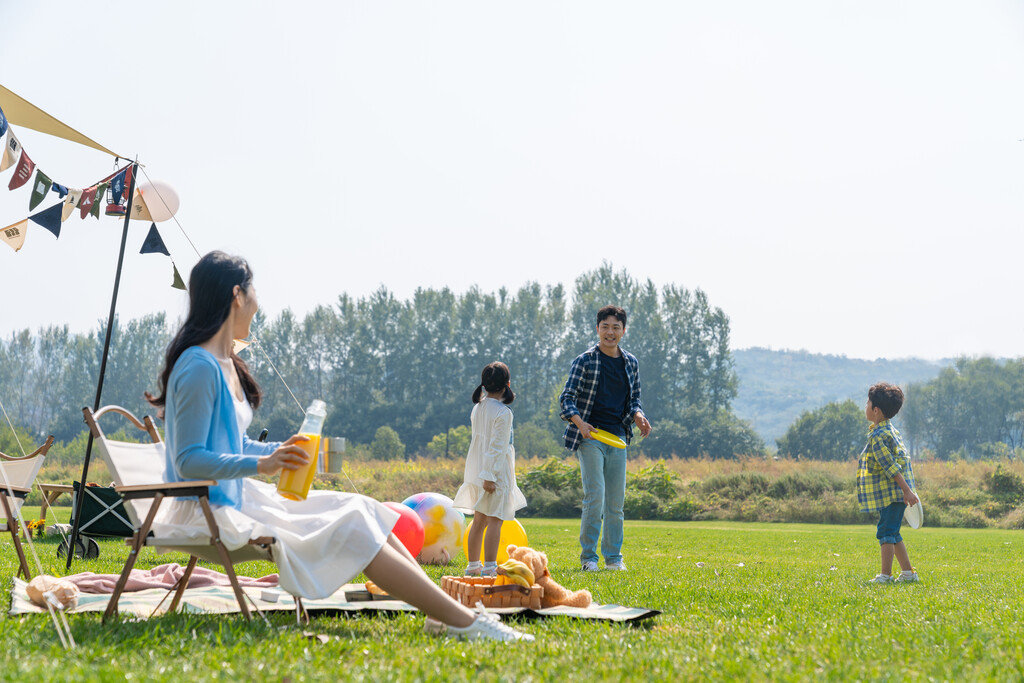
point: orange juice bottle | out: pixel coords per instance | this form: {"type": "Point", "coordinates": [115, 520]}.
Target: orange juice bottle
{"type": "Point", "coordinates": [294, 484]}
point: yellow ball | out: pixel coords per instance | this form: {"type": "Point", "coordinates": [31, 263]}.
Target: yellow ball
{"type": "Point", "coordinates": [512, 532]}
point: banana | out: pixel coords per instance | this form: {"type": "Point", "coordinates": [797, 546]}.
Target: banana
{"type": "Point", "coordinates": [518, 570]}
{"type": "Point", "coordinates": [516, 578]}
{"type": "Point", "coordinates": [500, 580]}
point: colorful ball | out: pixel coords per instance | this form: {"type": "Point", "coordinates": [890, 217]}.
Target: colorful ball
{"type": "Point", "coordinates": [512, 532]}
{"type": "Point", "coordinates": [408, 529]}
{"type": "Point", "coordinates": [442, 526]}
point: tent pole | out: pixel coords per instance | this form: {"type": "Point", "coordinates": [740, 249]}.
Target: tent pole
{"type": "Point", "coordinates": [103, 368]}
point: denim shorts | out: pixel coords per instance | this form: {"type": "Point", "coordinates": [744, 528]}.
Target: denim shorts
{"type": "Point", "coordinates": [889, 520]}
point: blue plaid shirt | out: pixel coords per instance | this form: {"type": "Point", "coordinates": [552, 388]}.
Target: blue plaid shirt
{"type": "Point", "coordinates": [577, 398]}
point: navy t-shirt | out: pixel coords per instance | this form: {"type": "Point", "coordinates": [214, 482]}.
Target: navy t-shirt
{"type": "Point", "coordinates": [612, 395]}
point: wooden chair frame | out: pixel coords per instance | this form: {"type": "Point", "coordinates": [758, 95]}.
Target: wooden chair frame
{"type": "Point", "coordinates": [22, 493]}
{"type": "Point", "coordinates": [158, 491]}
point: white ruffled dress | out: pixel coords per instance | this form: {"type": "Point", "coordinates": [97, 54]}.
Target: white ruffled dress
{"type": "Point", "coordinates": [491, 457]}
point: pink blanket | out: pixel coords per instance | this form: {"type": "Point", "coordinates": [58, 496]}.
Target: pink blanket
{"type": "Point", "coordinates": [163, 576]}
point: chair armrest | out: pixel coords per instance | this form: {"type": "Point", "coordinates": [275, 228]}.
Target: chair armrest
{"type": "Point", "coordinates": [171, 489]}
{"type": "Point", "coordinates": [18, 491]}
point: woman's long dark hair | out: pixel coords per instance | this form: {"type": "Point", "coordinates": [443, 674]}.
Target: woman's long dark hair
{"type": "Point", "coordinates": [211, 290]}
{"type": "Point", "coordinates": [494, 378]}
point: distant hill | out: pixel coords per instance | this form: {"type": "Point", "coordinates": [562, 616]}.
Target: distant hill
{"type": "Point", "coordinates": [777, 386]}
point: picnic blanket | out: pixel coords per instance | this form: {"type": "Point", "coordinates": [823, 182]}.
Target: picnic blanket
{"type": "Point", "coordinates": [216, 599]}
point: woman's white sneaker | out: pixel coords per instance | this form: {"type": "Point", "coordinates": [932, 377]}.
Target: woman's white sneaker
{"type": "Point", "coordinates": [486, 626]}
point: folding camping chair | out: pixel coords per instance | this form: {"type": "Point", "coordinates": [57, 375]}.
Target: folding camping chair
{"type": "Point", "coordinates": [17, 476]}
{"type": "Point", "coordinates": [138, 472]}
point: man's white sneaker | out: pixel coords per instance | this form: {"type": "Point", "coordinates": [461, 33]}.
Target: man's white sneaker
{"type": "Point", "coordinates": [619, 566]}
{"type": "Point", "coordinates": [881, 578]}
{"type": "Point", "coordinates": [486, 626]}
{"type": "Point", "coordinates": [590, 566]}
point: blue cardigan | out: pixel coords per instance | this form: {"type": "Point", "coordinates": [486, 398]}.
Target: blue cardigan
{"type": "Point", "coordinates": [201, 430]}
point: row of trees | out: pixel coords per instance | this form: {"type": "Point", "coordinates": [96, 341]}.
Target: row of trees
{"type": "Point", "coordinates": [411, 365]}
{"type": "Point", "coordinates": [973, 409]}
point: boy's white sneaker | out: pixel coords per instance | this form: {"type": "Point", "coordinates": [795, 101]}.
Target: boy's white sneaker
{"type": "Point", "coordinates": [486, 626]}
{"type": "Point", "coordinates": [619, 566]}
{"type": "Point", "coordinates": [590, 566]}
{"type": "Point", "coordinates": [904, 577]}
{"type": "Point", "coordinates": [881, 578]}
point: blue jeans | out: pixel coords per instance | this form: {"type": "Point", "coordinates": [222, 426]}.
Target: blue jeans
{"type": "Point", "coordinates": [603, 469]}
{"type": "Point", "coordinates": [889, 520]}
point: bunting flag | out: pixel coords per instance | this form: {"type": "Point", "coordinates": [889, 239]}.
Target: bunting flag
{"type": "Point", "coordinates": [23, 172]}
{"type": "Point", "coordinates": [119, 184]}
{"type": "Point", "coordinates": [70, 202]}
{"type": "Point", "coordinates": [14, 235]}
{"type": "Point", "coordinates": [140, 212]}
{"type": "Point", "coordinates": [12, 151]}
{"type": "Point", "coordinates": [154, 244]}
{"type": "Point", "coordinates": [100, 191]}
{"type": "Point", "coordinates": [178, 282]}
{"type": "Point", "coordinates": [49, 219]}
{"type": "Point", "coordinates": [59, 189]}
{"type": "Point", "coordinates": [3, 123]}
{"type": "Point", "coordinates": [87, 200]}
{"type": "Point", "coordinates": [39, 190]}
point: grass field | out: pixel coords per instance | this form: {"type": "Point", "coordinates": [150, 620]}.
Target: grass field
{"type": "Point", "coordinates": [782, 602]}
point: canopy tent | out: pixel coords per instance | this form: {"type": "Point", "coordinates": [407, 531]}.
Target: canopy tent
{"type": "Point", "coordinates": [21, 112]}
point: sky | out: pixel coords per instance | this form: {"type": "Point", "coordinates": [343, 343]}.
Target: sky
{"type": "Point", "coordinates": [840, 177]}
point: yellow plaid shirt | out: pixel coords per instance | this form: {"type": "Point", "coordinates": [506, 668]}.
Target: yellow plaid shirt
{"type": "Point", "coordinates": [882, 459]}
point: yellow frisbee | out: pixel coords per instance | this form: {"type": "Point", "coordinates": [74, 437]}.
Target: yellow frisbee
{"type": "Point", "coordinates": [607, 437]}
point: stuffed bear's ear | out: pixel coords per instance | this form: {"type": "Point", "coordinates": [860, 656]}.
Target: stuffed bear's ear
{"type": "Point", "coordinates": [511, 548]}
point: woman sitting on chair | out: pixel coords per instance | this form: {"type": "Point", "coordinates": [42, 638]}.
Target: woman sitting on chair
{"type": "Point", "coordinates": [207, 397]}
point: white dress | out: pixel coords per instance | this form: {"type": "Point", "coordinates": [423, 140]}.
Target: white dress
{"type": "Point", "coordinates": [322, 542]}
{"type": "Point", "coordinates": [491, 457]}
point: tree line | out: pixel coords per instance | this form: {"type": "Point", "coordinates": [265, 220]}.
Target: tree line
{"type": "Point", "coordinates": [411, 365]}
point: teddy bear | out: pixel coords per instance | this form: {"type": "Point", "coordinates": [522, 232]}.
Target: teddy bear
{"type": "Point", "coordinates": [554, 594]}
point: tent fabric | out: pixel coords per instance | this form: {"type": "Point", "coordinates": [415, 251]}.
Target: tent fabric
{"type": "Point", "coordinates": [21, 112]}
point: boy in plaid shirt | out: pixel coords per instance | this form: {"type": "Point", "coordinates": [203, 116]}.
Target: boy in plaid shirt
{"type": "Point", "coordinates": [885, 480]}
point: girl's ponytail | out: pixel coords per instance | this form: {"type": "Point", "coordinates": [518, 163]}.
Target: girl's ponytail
{"type": "Point", "coordinates": [494, 378]}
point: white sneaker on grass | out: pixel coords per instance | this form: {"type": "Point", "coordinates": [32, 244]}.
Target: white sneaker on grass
{"type": "Point", "coordinates": [486, 626]}
{"type": "Point", "coordinates": [619, 566]}
{"type": "Point", "coordinates": [881, 578]}
{"type": "Point", "coordinates": [590, 566]}
{"type": "Point", "coordinates": [905, 577]}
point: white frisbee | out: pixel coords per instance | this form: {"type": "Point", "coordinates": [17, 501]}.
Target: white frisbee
{"type": "Point", "coordinates": [914, 515]}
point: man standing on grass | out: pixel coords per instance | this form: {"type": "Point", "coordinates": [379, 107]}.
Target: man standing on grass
{"type": "Point", "coordinates": [603, 392]}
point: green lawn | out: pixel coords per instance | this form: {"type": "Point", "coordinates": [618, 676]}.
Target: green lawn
{"type": "Point", "coordinates": [798, 608]}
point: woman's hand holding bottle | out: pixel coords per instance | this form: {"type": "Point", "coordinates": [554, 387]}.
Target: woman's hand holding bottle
{"type": "Point", "coordinates": [287, 457]}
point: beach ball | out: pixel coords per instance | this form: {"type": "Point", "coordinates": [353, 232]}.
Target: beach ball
{"type": "Point", "coordinates": [408, 529]}
{"type": "Point", "coordinates": [511, 532]}
{"type": "Point", "coordinates": [442, 526]}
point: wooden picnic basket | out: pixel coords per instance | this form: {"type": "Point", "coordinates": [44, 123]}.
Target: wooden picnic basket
{"type": "Point", "coordinates": [470, 590]}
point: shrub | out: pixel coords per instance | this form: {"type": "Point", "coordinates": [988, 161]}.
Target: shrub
{"type": "Point", "coordinates": [681, 510]}
{"type": "Point", "coordinates": [738, 486]}
{"type": "Point", "coordinates": [812, 483]}
{"type": "Point", "coordinates": [1004, 486]}
{"type": "Point", "coordinates": [386, 444]}
{"type": "Point", "coordinates": [453, 444]}
{"type": "Point", "coordinates": [655, 480]}
{"type": "Point", "coordinates": [640, 505]}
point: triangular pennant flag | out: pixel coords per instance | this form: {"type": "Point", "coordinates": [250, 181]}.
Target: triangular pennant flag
{"type": "Point", "coordinates": [39, 189]}
{"type": "Point", "coordinates": [59, 189]}
{"type": "Point", "coordinates": [118, 184]}
{"type": "Point", "coordinates": [140, 212]}
{"type": "Point", "coordinates": [23, 172]}
{"type": "Point", "coordinates": [100, 191]}
{"type": "Point", "coordinates": [70, 202]}
{"type": "Point", "coordinates": [154, 244]}
{"type": "Point", "coordinates": [14, 234]}
{"type": "Point", "coordinates": [86, 202]}
{"type": "Point", "coordinates": [178, 282]}
{"type": "Point", "coordinates": [50, 219]}
{"type": "Point", "coordinates": [12, 151]}
{"type": "Point", "coordinates": [3, 123]}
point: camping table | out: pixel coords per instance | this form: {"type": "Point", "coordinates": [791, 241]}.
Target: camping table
{"type": "Point", "coordinates": [51, 492]}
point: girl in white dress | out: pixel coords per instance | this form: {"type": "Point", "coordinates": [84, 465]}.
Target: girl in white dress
{"type": "Point", "coordinates": [206, 399]}
{"type": "Point", "coordinates": [490, 491]}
